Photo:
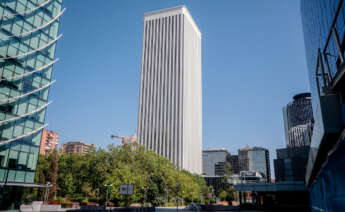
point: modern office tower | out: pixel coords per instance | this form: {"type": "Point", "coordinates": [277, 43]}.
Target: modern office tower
{"type": "Point", "coordinates": [291, 164]}
{"type": "Point", "coordinates": [49, 141]}
{"type": "Point", "coordinates": [77, 147]}
{"type": "Point", "coordinates": [28, 36]}
{"type": "Point", "coordinates": [291, 161]}
{"type": "Point", "coordinates": [170, 113]}
{"type": "Point", "coordinates": [235, 165]}
{"type": "Point", "coordinates": [255, 159]}
{"type": "Point", "coordinates": [323, 26]}
{"type": "Point", "coordinates": [298, 121]}
{"type": "Point", "coordinates": [213, 162]}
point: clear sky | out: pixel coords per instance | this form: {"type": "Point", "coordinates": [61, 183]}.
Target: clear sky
{"type": "Point", "coordinates": [253, 62]}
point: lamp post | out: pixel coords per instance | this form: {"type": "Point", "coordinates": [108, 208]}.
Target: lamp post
{"type": "Point", "coordinates": [106, 198]}
{"type": "Point", "coordinates": [46, 195]}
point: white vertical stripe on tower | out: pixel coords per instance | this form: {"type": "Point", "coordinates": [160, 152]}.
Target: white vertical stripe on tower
{"type": "Point", "coordinates": [159, 88]}
{"type": "Point", "coordinates": [181, 80]}
{"type": "Point", "coordinates": [154, 96]}
{"type": "Point", "coordinates": [169, 92]}
{"type": "Point", "coordinates": [173, 95]}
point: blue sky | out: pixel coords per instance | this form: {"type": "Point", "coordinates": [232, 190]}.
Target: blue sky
{"type": "Point", "coordinates": [253, 62]}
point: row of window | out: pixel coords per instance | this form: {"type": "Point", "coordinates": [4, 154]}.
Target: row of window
{"type": "Point", "coordinates": [44, 13]}
{"type": "Point", "coordinates": [17, 176]}
{"type": "Point", "coordinates": [12, 67]}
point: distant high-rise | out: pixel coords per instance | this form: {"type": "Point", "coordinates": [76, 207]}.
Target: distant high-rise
{"type": "Point", "coordinates": [291, 161]}
{"type": "Point", "coordinates": [298, 121]}
{"type": "Point", "coordinates": [170, 106]}
{"type": "Point", "coordinates": [49, 141]}
{"type": "Point", "coordinates": [255, 159]}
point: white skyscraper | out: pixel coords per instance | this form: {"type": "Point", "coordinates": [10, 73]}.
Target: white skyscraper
{"type": "Point", "coordinates": [170, 102]}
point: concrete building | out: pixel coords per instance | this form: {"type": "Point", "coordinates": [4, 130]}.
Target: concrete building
{"type": "Point", "coordinates": [255, 159]}
{"type": "Point", "coordinates": [170, 104]}
{"type": "Point", "coordinates": [323, 27]}
{"type": "Point", "coordinates": [298, 121]}
{"type": "Point", "coordinates": [49, 141]}
{"type": "Point", "coordinates": [77, 147]}
{"type": "Point", "coordinates": [213, 162]}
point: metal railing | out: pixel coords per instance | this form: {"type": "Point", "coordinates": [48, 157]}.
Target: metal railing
{"type": "Point", "coordinates": [330, 81]}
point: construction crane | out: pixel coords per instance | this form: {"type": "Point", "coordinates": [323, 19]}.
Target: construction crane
{"type": "Point", "coordinates": [125, 139]}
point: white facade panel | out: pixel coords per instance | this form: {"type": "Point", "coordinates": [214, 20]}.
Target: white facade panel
{"type": "Point", "coordinates": [170, 110]}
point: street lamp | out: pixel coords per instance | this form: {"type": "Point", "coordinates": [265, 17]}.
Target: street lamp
{"type": "Point", "coordinates": [106, 198]}
{"type": "Point", "coordinates": [46, 195]}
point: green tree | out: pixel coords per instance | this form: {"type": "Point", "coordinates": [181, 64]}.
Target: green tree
{"type": "Point", "coordinates": [153, 176]}
{"type": "Point", "coordinates": [53, 173]}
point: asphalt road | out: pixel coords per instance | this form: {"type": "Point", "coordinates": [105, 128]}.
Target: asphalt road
{"type": "Point", "coordinates": [185, 210]}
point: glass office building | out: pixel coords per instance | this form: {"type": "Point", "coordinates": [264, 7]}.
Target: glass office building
{"type": "Point", "coordinates": [255, 159]}
{"type": "Point", "coordinates": [213, 162]}
{"type": "Point", "coordinates": [324, 28]}
{"type": "Point", "coordinates": [291, 163]}
{"type": "Point", "coordinates": [28, 36]}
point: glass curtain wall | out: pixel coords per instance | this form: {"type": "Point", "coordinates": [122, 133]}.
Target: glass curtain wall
{"type": "Point", "coordinates": [28, 35]}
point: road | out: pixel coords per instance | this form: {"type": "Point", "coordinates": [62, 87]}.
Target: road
{"type": "Point", "coordinates": [185, 210]}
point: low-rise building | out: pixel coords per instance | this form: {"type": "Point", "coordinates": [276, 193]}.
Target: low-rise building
{"type": "Point", "coordinates": [78, 147]}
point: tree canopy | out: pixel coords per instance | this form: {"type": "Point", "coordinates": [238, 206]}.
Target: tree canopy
{"type": "Point", "coordinates": [83, 177]}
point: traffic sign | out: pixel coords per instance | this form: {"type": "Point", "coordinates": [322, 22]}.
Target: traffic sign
{"type": "Point", "coordinates": [127, 189]}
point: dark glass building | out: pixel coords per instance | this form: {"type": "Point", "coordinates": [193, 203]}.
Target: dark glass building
{"type": "Point", "coordinates": [324, 28]}
{"type": "Point", "coordinates": [298, 121]}
{"type": "Point", "coordinates": [28, 36]}
{"type": "Point", "coordinates": [291, 164]}
{"type": "Point", "coordinates": [235, 166]}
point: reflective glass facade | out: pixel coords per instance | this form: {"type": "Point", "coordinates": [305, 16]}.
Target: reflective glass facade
{"type": "Point", "coordinates": [324, 28]}
{"type": "Point", "coordinates": [28, 35]}
{"type": "Point", "coordinates": [291, 163]}
{"type": "Point", "coordinates": [213, 162]}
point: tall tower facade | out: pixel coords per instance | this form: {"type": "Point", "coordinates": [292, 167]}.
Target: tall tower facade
{"type": "Point", "coordinates": [170, 102]}
{"type": "Point", "coordinates": [298, 121]}
{"type": "Point", "coordinates": [28, 36]}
